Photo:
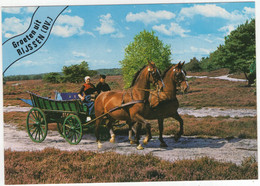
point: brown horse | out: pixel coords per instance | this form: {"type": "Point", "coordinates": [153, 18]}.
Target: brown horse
{"type": "Point", "coordinates": [132, 113]}
{"type": "Point", "coordinates": [166, 103]}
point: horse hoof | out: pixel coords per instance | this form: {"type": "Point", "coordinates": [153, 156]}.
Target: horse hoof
{"type": "Point", "coordinates": [176, 138]}
{"type": "Point", "coordinates": [132, 142]}
{"type": "Point", "coordinates": [163, 145]}
{"type": "Point", "coordinates": [145, 141]}
{"type": "Point", "coordinates": [139, 147]}
{"type": "Point", "coordinates": [99, 145]}
{"type": "Point", "coordinates": [112, 140]}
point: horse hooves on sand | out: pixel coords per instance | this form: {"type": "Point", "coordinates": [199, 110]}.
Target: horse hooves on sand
{"type": "Point", "coordinates": [163, 145]}
{"type": "Point", "coordinates": [140, 147]}
{"type": "Point", "coordinates": [112, 140]}
{"type": "Point", "coordinates": [99, 145]}
{"type": "Point", "coordinates": [177, 137]}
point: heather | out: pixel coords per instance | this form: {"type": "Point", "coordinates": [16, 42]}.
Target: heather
{"type": "Point", "coordinates": [55, 166]}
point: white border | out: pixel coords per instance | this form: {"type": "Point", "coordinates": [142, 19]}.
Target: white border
{"type": "Point", "coordinates": [13, 3]}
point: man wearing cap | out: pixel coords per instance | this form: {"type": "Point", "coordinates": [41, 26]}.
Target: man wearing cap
{"type": "Point", "coordinates": [88, 89]}
{"type": "Point", "coordinates": [102, 86]}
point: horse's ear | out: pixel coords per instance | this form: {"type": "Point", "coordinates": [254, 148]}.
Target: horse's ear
{"type": "Point", "coordinates": [183, 63]}
{"type": "Point", "coordinates": [179, 65]}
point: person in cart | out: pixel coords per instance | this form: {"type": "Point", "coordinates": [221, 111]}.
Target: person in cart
{"type": "Point", "coordinates": [102, 86]}
{"type": "Point", "coordinates": [87, 89]}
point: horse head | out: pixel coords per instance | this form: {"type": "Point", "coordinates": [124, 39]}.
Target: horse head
{"type": "Point", "coordinates": [155, 75]}
{"type": "Point", "coordinates": [180, 77]}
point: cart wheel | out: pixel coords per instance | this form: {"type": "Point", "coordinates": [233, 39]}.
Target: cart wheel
{"type": "Point", "coordinates": [72, 129]}
{"type": "Point", "coordinates": [60, 129]}
{"type": "Point", "coordinates": [60, 124]}
{"type": "Point", "coordinates": [36, 125]}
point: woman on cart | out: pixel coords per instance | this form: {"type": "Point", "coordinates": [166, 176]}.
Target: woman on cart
{"type": "Point", "coordinates": [88, 88]}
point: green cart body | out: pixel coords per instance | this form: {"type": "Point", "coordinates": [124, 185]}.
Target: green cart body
{"type": "Point", "coordinates": [70, 116]}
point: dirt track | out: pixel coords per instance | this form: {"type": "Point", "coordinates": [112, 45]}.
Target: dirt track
{"type": "Point", "coordinates": [233, 150]}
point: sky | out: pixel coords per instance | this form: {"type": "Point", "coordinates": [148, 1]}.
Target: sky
{"type": "Point", "coordinates": [99, 34]}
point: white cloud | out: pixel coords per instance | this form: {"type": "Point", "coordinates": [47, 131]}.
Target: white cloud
{"type": "Point", "coordinates": [118, 35]}
{"type": "Point", "coordinates": [109, 50]}
{"type": "Point", "coordinates": [67, 11]}
{"type": "Point", "coordinates": [67, 26]}
{"type": "Point", "coordinates": [107, 25]}
{"type": "Point", "coordinates": [79, 54]}
{"type": "Point", "coordinates": [227, 29]}
{"type": "Point", "coordinates": [70, 20]}
{"type": "Point", "coordinates": [208, 10]}
{"type": "Point", "coordinates": [173, 29]}
{"type": "Point", "coordinates": [24, 63]}
{"type": "Point", "coordinates": [30, 9]}
{"type": "Point", "coordinates": [18, 10]}
{"type": "Point", "coordinates": [249, 10]}
{"type": "Point", "coordinates": [13, 26]}
{"type": "Point", "coordinates": [200, 50]}
{"type": "Point", "coordinates": [212, 10]}
{"type": "Point", "coordinates": [15, 10]}
{"type": "Point", "coordinates": [150, 16]}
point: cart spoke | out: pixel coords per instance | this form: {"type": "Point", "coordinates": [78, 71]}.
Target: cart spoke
{"type": "Point", "coordinates": [30, 118]}
{"type": "Point", "coordinates": [34, 131]}
{"type": "Point", "coordinates": [37, 131]}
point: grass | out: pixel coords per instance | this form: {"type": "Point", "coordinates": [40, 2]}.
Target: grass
{"type": "Point", "coordinates": [203, 92]}
{"type": "Point", "coordinates": [54, 166]}
{"type": "Point", "coordinates": [218, 93]}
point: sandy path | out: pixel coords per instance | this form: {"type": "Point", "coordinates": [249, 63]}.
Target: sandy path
{"type": "Point", "coordinates": [187, 148]}
{"type": "Point", "coordinates": [233, 150]}
{"type": "Point", "coordinates": [224, 77]}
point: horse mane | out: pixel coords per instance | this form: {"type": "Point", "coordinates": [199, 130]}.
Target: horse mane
{"type": "Point", "coordinates": [166, 70]}
{"type": "Point", "coordinates": [136, 75]}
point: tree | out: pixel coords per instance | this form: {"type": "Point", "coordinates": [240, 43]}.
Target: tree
{"type": "Point", "coordinates": [76, 73]}
{"type": "Point", "coordinates": [145, 47]}
{"type": "Point", "coordinates": [238, 53]}
{"type": "Point", "coordinates": [193, 65]}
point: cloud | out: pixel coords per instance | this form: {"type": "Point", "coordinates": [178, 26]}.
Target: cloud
{"type": "Point", "coordinates": [15, 10]}
{"type": "Point", "coordinates": [201, 50]}
{"type": "Point", "coordinates": [30, 9]}
{"type": "Point", "coordinates": [150, 16]}
{"type": "Point", "coordinates": [67, 26]}
{"type": "Point", "coordinates": [13, 26]}
{"type": "Point", "coordinates": [79, 54]}
{"type": "Point", "coordinates": [208, 10]}
{"type": "Point", "coordinates": [67, 11]}
{"type": "Point", "coordinates": [118, 35]}
{"type": "Point", "coordinates": [18, 10]}
{"type": "Point", "coordinates": [173, 29]}
{"type": "Point", "coordinates": [227, 29]}
{"type": "Point", "coordinates": [107, 25]}
{"type": "Point", "coordinates": [249, 10]}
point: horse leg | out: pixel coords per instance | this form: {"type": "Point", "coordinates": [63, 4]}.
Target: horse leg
{"type": "Point", "coordinates": [97, 132]}
{"type": "Point", "coordinates": [137, 136]}
{"type": "Point", "coordinates": [130, 131]}
{"type": "Point", "coordinates": [140, 119]}
{"type": "Point", "coordinates": [111, 131]}
{"type": "Point", "coordinates": [179, 119]}
{"type": "Point", "coordinates": [160, 124]}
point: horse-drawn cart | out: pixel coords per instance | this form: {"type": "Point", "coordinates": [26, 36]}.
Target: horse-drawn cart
{"type": "Point", "coordinates": [70, 116]}
{"type": "Point", "coordinates": [67, 110]}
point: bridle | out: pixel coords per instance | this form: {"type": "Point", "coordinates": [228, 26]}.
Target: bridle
{"type": "Point", "coordinates": [178, 81]}
{"type": "Point", "coordinates": [155, 75]}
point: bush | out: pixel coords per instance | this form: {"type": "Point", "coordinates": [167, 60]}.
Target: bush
{"type": "Point", "coordinates": [52, 77]}
{"type": "Point", "coordinates": [193, 65]}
